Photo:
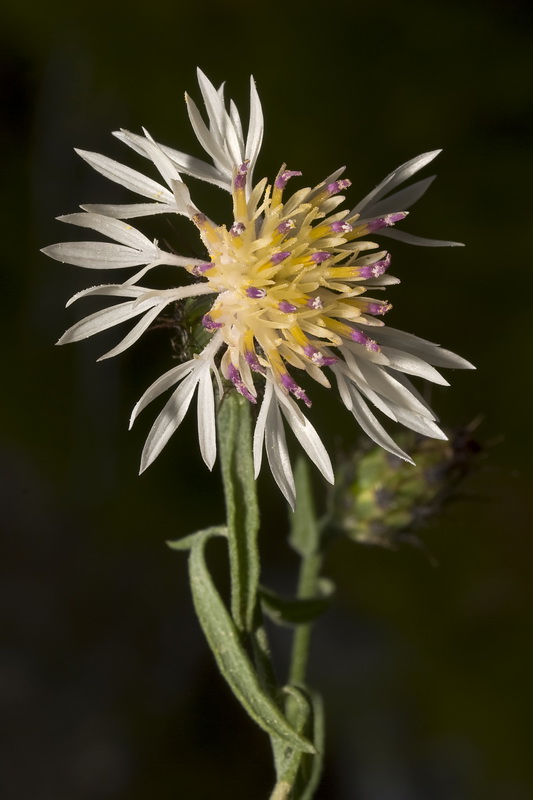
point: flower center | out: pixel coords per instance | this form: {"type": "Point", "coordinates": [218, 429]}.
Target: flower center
{"type": "Point", "coordinates": [287, 276]}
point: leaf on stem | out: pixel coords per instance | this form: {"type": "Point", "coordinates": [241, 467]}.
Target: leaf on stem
{"type": "Point", "coordinates": [225, 642]}
{"type": "Point", "coordinates": [297, 611]}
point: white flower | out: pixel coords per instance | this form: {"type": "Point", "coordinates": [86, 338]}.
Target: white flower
{"type": "Point", "coordinates": [288, 280]}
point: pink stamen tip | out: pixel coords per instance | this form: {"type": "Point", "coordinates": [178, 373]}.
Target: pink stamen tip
{"type": "Point", "coordinates": [277, 258]}
{"type": "Point", "coordinates": [317, 358]}
{"type": "Point", "coordinates": [320, 256]}
{"type": "Point", "coordinates": [386, 221]}
{"type": "Point", "coordinates": [287, 308]}
{"type": "Point", "coordinates": [235, 377]}
{"type": "Point", "coordinates": [378, 308]}
{"type": "Point", "coordinates": [315, 303]}
{"type": "Point", "coordinates": [252, 360]}
{"type": "Point", "coordinates": [200, 269]}
{"type": "Point", "coordinates": [376, 269]}
{"type": "Point", "coordinates": [290, 384]}
{"type": "Point", "coordinates": [285, 227]}
{"type": "Point", "coordinates": [209, 323]}
{"type": "Point", "coordinates": [237, 228]}
{"type": "Point", "coordinates": [341, 227]}
{"type": "Point", "coordinates": [281, 180]}
{"type": "Point", "coordinates": [240, 178]}
{"type": "Point", "coordinates": [338, 186]}
{"type": "Point", "coordinates": [254, 293]}
{"type": "Point", "coordinates": [199, 219]}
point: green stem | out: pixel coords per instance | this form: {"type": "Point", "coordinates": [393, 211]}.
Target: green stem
{"type": "Point", "coordinates": [310, 568]}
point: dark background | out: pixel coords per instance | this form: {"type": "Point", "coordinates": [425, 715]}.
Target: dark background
{"type": "Point", "coordinates": [108, 689]}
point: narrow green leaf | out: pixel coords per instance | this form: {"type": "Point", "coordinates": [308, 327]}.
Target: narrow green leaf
{"type": "Point", "coordinates": [187, 541]}
{"type": "Point", "coordinates": [233, 662]}
{"type": "Point", "coordinates": [235, 441]}
{"type": "Point", "coordinates": [305, 532]}
{"type": "Point", "coordinates": [297, 611]}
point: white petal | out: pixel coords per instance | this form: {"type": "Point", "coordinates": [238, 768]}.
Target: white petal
{"type": "Point", "coordinates": [306, 435]}
{"type": "Point", "coordinates": [152, 150]}
{"type": "Point", "coordinates": [113, 228]}
{"type": "Point", "coordinates": [161, 385]}
{"type": "Point", "coordinates": [104, 319]}
{"type": "Point", "coordinates": [400, 201]}
{"type": "Point", "coordinates": [405, 362]}
{"type": "Point", "coordinates": [206, 418]}
{"type": "Point", "coordinates": [169, 419]}
{"type": "Point", "coordinates": [99, 255]}
{"type": "Point", "coordinates": [129, 211]}
{"type": "Point", "coordinates": [259, 430]}
{"type": "Point", "coordinates": [399, 175]}
{"type": "Point", "coordinates": [198, 168]}
{"type": "Point", "coordinates": [206, 139]}
{"type": "Point", "coordinates": [269, 429]}
{"type": "Point", "coordinates": [127, 177]}
{"type": "Point", "coordinates": [430, 352]}
{"type": "Point", "coordinates": [254, 138]}
{"type": "Point", "coordinates": [108, 290]}
{"type": "Point", "coordinates": [420, 241]}
{"type": "Point", "coordinates": [372, 427]}
{"type": "Point", "coordinates": [220, 121]}
{"type": "Point", "coordinates": [379, 380]}
{"type": "Point", "coordinates": [135, 333]}
{"type": "Point", "coordinates": [417, 423]}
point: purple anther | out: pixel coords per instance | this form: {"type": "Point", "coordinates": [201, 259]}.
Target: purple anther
{"type": "Point", "coordinates": [285, 227]}
{"type": "Point", "coordinates": [253, 361]}
{"type": "Point", "coordinates": [255, 293]}
{"type": "Point", "coordinates": [359, 337]}
{"type": "Point", "coordinates": [386, 221]}
{"type": "Point", "coordinates": [281, 180]}
{"type": "Point", "coordinates": [320, 256]}
{"type": "Point", "coordinates": [315, 303]}
{"type": "Point", "coordinates": [376, 269]}
{"type": "Point", "coordinates": [291, 385]}
{"type": "Point", "coordinates": [209, 323]}
{"type": "Point", "coordinates": [199, 269]}
{"type": "Point", "coordinates": [287, 308]}
{"type": "Point", "coordinates": [199, 219]}
{"type": "Point", "coordinates": [277, 258]}
{"type": "Point", "coordinates": [235, 377]}
{"type": "Point", "coordinates": [341, 227]}
{"type": "Point", "coordinates": [317, 358]}
{"type": "Point", "coordinates": [237, 228]}
{"type": "Point", "coordinates": [338, 186]}
{"type": "Point", "coordinates": [378, 308]}
{"type": "Point", "coordinates": [240, 178]}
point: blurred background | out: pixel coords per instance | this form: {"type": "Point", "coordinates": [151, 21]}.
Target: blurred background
{"type": "Point", "coordinates": [107, 687]}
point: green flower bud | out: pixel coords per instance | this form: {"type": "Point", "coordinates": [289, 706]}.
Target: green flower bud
{"type": "Point", "coordinates": [379, 499]}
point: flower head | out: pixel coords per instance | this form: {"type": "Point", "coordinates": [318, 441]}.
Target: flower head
{"type": "Point", "coordinates": [291, 278]}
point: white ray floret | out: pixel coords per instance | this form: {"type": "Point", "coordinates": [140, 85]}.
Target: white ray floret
{"type": "Point", "coordinates": [285, 283]}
